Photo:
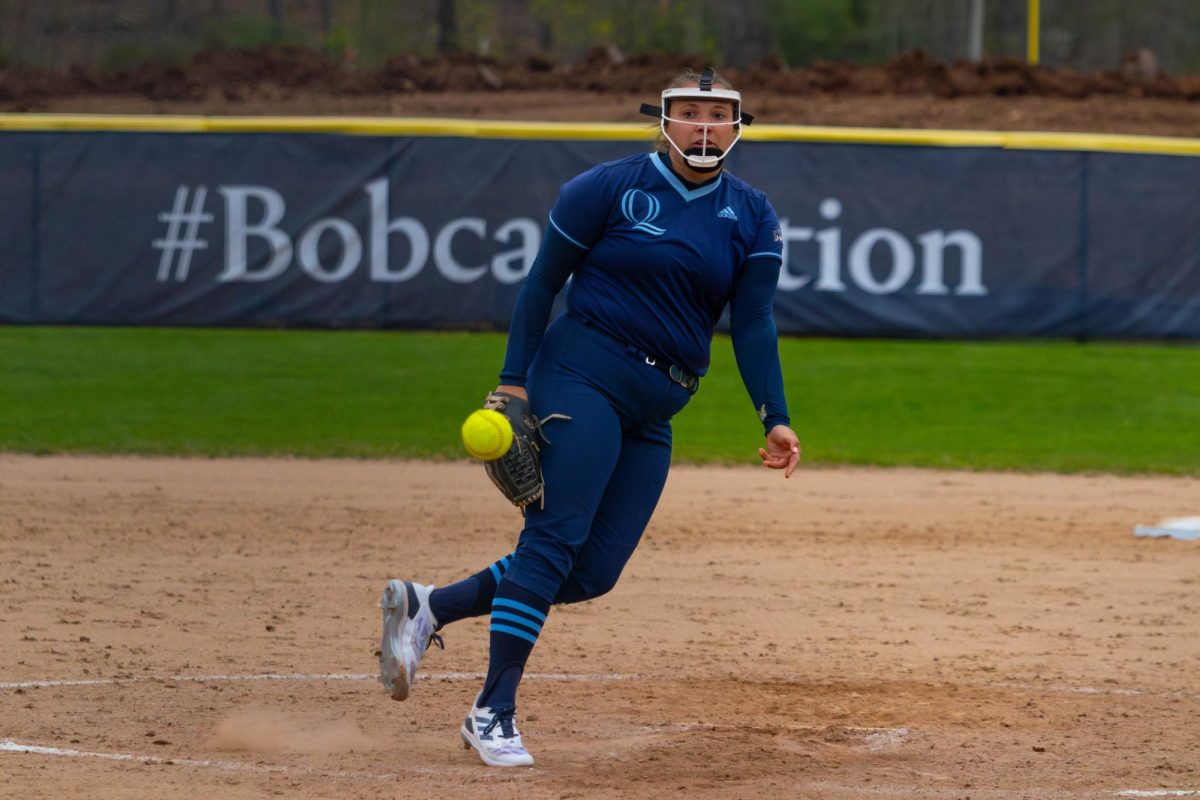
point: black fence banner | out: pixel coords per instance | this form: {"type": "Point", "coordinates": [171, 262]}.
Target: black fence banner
{"type": "Point", "coordinates": [438, 231]}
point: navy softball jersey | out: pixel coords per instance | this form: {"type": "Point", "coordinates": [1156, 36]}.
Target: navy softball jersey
{"type": "Point", "coordinates": [654, 264]}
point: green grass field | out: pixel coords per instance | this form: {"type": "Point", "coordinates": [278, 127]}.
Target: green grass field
{"type": "Point", "coordinates": [1025, 406]}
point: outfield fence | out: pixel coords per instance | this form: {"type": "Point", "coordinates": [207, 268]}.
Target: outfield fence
{"type": "Point", "coordinates": [337, 222]}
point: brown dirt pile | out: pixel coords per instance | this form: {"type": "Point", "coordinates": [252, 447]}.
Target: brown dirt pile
{"type": "Point", "coordinates": [238, 72]}
{"type": "Point", "coordinates": [911, 90]}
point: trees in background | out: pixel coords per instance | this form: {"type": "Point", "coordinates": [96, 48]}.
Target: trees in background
{"type": "Point", "coordinates": [1083, 34]}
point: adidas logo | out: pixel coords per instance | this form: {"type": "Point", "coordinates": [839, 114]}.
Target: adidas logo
{"type": "Point", "coordinates": [727, 213]}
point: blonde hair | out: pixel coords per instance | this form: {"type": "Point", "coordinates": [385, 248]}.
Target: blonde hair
{"type": "Point", "coordinates": [685, 78]}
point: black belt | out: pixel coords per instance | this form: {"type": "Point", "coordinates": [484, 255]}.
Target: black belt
{"type": "Point", "coordinates": [675, 372]}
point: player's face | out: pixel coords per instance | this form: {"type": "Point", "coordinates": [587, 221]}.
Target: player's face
{"type": "Point", "coordinates": [701, 124]}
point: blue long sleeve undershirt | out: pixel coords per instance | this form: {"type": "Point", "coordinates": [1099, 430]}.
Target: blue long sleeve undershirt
{"type": "Point", "coordinates": [752, 325]}
{"type": "Point", "coordinates": [756, 340]}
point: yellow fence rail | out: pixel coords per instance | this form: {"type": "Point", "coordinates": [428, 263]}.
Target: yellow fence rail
{"type": "Point", "coordinates": [383, 126]}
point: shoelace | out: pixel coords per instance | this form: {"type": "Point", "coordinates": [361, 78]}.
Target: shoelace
{"type": "Point", "coordinates": [504, 718]}
{"type": "Point", "coordinates": [435, 638]}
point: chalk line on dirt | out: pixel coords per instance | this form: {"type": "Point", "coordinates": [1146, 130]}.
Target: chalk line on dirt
{"type": "Point", "coordinates": [566, 677]}
{"type": "Point", "coordinates": [890, 736]}
{"type": "Point", "coordinates": [304, 677]}
{"type": "Point", "coordinates": [229, 766]}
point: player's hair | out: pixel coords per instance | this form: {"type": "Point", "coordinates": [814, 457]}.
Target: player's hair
{"type": "Point", "coordinates": [686, 78]}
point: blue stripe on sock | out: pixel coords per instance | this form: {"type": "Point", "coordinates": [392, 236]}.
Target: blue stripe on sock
{"type": "Point", "coordinates": [506, 603]}
{"type": "Point", "coordinates": [495, 573]}
{"type": "Point", "coordinates": [528, 623]}
{"type": "Point", "coordinates": [505, 560]}
{"type": "Point", "coordinates": [514, 632]}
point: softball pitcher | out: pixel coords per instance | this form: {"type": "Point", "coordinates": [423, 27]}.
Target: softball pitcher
{"type": "Point", "coordinates": [658, 244]}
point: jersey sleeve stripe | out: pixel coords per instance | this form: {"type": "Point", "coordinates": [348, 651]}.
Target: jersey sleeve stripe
{"type": "Point", "coordinates": [568, 236]}
{"type": "Point", "coordinates": [763, 253]}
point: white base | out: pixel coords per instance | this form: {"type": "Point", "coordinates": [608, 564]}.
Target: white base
{"type": "Point", "coordinates": [1186, 534]}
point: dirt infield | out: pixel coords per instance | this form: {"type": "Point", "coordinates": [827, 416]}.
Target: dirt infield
{"type": "Point", "coordinates": [852, 633]}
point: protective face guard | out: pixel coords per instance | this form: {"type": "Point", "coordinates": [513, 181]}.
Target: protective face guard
{"type": "Point", "coordinates": [704, 91]}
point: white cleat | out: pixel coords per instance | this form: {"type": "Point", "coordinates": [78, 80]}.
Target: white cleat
{"type": "Point", "coordinates": [408, 628]}
{"type": "Point", "coordinates": [495, 738]}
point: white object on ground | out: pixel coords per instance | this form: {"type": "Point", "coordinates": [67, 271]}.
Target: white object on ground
{"type": "Point", "coordinates": [1186, 528]}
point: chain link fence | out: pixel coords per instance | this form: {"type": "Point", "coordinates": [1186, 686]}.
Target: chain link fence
{"type": "Point", "coordinates": [1086, 35]}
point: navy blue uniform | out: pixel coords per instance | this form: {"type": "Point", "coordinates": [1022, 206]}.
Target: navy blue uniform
{"type": "Point", "coordinates": [652, 263]}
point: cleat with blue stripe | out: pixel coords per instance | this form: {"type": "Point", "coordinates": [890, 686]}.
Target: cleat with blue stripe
{"type": "Point", "coordinates": [495, 738]}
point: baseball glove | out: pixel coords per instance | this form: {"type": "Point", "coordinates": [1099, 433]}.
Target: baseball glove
{"type": "Point", "coordinates": [518, 473]}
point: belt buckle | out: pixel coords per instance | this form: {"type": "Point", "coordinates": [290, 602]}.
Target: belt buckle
{"type": "Point", "coordinates": [686, 380]}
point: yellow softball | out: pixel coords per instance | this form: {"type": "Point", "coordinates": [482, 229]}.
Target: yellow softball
{"type": "Point", "coordinates": [487, 434]}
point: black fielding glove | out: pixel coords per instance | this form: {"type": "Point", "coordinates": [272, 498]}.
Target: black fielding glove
{"type": "Point", "coordinates": [518, 473]}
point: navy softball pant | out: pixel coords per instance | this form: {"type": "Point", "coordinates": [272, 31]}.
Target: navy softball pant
{"type": "Point", "coordinates": [604, 468]}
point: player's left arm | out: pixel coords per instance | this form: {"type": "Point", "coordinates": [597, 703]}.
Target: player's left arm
{"type": "Point", "coordinates": [756, 348]}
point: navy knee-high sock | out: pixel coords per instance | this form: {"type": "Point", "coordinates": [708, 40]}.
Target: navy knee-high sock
{"type": "Point", "coordinates": [470, 597]}
{"type": "Point", "coordinates": [517, 618]}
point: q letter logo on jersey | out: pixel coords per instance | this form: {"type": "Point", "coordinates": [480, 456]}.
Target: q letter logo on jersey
{"type": "Point", "coordinates": [641, 209]}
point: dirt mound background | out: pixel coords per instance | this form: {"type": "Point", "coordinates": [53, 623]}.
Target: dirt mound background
{"type": "Point", "coordinates": [911, 90]}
